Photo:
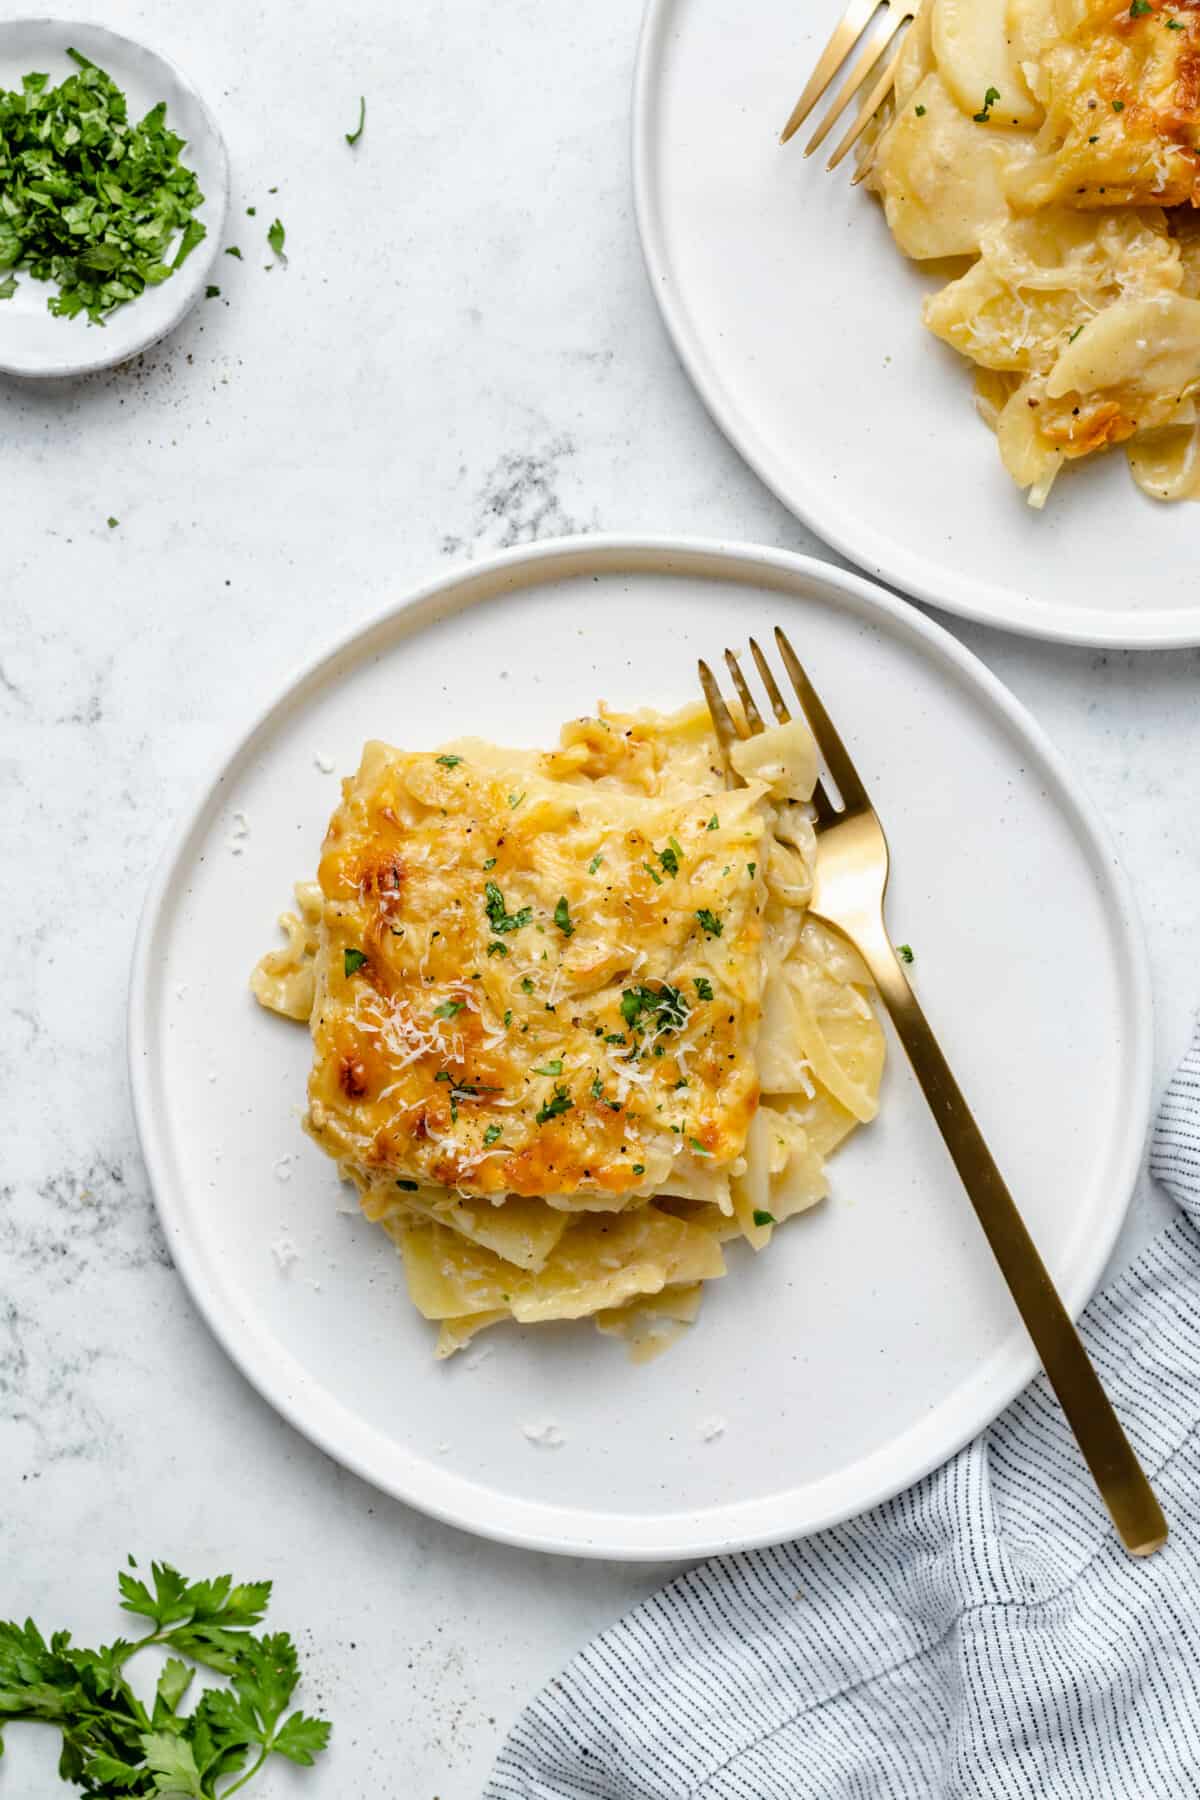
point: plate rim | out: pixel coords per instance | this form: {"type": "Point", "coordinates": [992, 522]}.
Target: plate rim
{"type": "Point", "coordinates": [965, 597]}
{"type": "Point", "coordinates": [198, 266]}
{"type": "Point", "coordinates": [518, 1521]}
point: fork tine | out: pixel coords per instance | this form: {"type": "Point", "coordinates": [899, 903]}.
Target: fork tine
{"type": "Point", "coordinates": [822, 805]}
{"type": "Point", "coordinates": [874, 48]}
{"type": "Point", "coordinates": [753, 716]}
{"type": "Point", "coordinates": [837, 757]}
{"type": "Point", "coordinates": [866, 113]}
{"type": "Point", "coordinates": [841, 42]}
{"type": "Point", "coordinates": [723, 722]}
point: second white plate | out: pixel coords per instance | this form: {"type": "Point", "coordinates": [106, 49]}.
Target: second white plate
{"type": "Point", "coordinates": [875, 1336]}
{"type": "Point", "coordinates": [799, 321]}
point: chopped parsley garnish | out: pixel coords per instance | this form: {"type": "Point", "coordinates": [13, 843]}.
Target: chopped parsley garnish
{"type": "Point", "coordinates": [112, 523]}
{"type": "Point", "coordinates": [615, 1037]}
{"type": "Point", "coordinates": [448, 762]}
{"type": "Point", "coordinates": [639, 1168]}
{"type": "Point", "coordinates": [595, 863]}
{"type": "Point", "coordinates": [1075, 334]}
{"type": "Point", "coordinates": [562, 916]}
{"type": "Point", "coordinates": [410, 1187]}
{"type": "Point", "coordinates": [1093, 140]}
{"type": "Point", "coordinates": [551, 1068]}
{"type": "Point", "coordinates": [491, 1134]}
{"type": "Point", "coordinates": [989, 100]}
{"type": "Point", "coordinates": [508, 1018]}
{"type": "Point", "coordinates": [920, 111]}
{"type": "Point", "coordinates": [671, 857]}
{"type": "Point", "coordinates": [8, 287]}
{"type": "Point", "coordinates": [763, 1218]}
{"type": "Point", "coordinates": [91, 201]}
{"type": "Point", "coordinates": [212, 291]}
{"type": "Point", "coordinates": [499, 917]}
{"type": "Point", "coordinates": [750, 869]}
{"type": "Point", "coordinates": [698, 1147]}
{"type": "Point", "coordinates": [560, 1103]}
{"type": "Point", "coordinates": [449, 1009]}
{"type": "Point", "coordinates": [443, 1075]}
{"type": "Point", "coordinates": [1118, 106]}
{"type": "Point", "coordinates": [712, 823]}
{"type": "Point", "coordinates": [514, 800]}
{"type": "Point", "coordinates": [232, 250]}
{"type": "Point", "coordinates": [352, 137]}
{"type": "Point", "coordinates": [703, 987]}
{"type": "Point", "coordinates": [904, 952]}
{"type": "Point", "coordinates": [709, 922]}
{"type": "Point", "coordinates": [490, 863]}
{"type": "Point", "coordinates": [496, 948]}
{"type": "Point", "coordinates": [352, 961]}
{"type": "Point", "coordinates": [597, 1088]}
{"type": "Point", "coordinates": [276, 237]}
{"type": "Point", "coordinates": [653, 873]}
{"type": "Point", "coordinates": [681, 1083]}
{"type": "Point", "coordinates": [526, 984]}
{"type": "Point", "coordinates": [666, 1007]}
{"type": "Point", "coordinates": [1140, 8]}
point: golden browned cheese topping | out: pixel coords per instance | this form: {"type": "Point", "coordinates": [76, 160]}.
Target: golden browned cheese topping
{"type": "Point", "coordinates": [532, 982]}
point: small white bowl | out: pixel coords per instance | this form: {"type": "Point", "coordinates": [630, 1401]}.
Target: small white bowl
{"type": "Point", "coordinates": [32, 340]}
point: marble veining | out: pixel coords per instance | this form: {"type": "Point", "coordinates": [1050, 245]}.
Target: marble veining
{"type": "Point", "coordinates": [462, 354]}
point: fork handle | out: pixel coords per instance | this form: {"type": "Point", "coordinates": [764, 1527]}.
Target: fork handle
{"type": "Point", "coordinates": [1107, 1451]}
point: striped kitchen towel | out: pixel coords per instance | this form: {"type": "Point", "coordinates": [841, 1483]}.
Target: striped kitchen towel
{"type": "Point", "coordinates": [981, 1635]}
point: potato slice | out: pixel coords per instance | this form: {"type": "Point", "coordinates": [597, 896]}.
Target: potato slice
{"type": "Point", "coordinates": [976, 56]}
{"type": "Point", "coordinates": [1143, 346]}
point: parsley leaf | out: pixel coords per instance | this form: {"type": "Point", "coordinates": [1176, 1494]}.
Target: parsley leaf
{"type": "Point", "coordinates": [698, 1147]}
{"type": "Point", "coordinates": [595, 863]}
{"type": "Point", "coordinates": [989, 100]}
{"type": "Point", "coordinates": [905, 953]}
{"type": "Point", "coordinates": [526, 984]}
{"type": "Point", "coordinates": [665, 1005]}
{"type": "Point", "coordinates": [710, 922]}
{"type": "Point", "coordinates": [554, 1108]}
{"type": "Point", "coordinates": [653, 873]}
{"type": "Point", "coordinates": [1118, 106]}
{"type": "Point", "coordinates": [233, 250]}
{"type": "Point", "coordinates": [496, 948]}
{"type": "Point", "coordinates": [670, 857]}
{"type": "Point", "coordinates": [1139, 9]}
{"type": "Point", "coordinates": [449, 1009]}
{"type": "Point", "coordinates": [491, 1134]}
{"type": "Point", "coordinates": [276, 237]}
{"type": "Point", "coordinates": [91, 202]}
{"type": "Point", "coordinates": [212, 291]}
{"type": "Point", "coordinates": [551, 1068]}
{"type": "Point", "coordinates": [763, 1218]}
{"type": "Point", "coordinates": [703, 987]}
{"type": "Point", "coordinates": [352, 961]}
{"type": "Point", "coordinates": [639, 1168]}
{"type": "Point", "coordinates": [597, 1088]}
{"type": "Point", "coordinates": [920, 111]}
{"type": "Point", "coordinates": [352, 137]}
{"type": "Point", "coordinates": [712, 823]}
{"type": "Point", "coordinates": [499, 918]}
{"type": "Point", "coordinates": [562, 916]}
{"type": "Point", "coordinates": [448, 762]}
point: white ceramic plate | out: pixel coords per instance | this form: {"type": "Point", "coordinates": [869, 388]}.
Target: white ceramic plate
{"type": "Point", "coordinates": [32, 340]}
{"type": "Point", "coordinates": [799, 321]}
{"type": "Point", "coordinates": [876, 1336]}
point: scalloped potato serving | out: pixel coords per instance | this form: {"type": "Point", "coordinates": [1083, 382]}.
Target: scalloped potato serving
{"type": "Point", "coordinates": [572, 1029]}
{"type": "Point", "coordinates": [1054, 143]}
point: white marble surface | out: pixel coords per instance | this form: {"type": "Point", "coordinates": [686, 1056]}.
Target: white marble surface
{"type": "Point", "coordinates": [462, 353]}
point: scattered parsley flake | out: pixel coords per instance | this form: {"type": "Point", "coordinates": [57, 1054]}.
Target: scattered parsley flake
{"type": "Point", "coordinates": [496, 948]}
{"type": "Point", "coordinates": [233, 250]}
{"type": "Point", "coordinates": [763, 1218]}
{"type": "Point", "coordinates": [712, 823]}
{"type": "Point", "coordinates": [352, 961]}
{"type": "Point", "coordinates": [514, 800]}
{"type": "Point", "coordinates": [1139, 9]}
{"type": "Point", "coordinates": [920, 111]}
{"type": "Point", "coordinates": [751, 868]}
{"type": "Point", "coordinates": [508, 1018]}
{"type": "Point", "coordinates": [8, 287]}
{"type": "Point", "coordinates": [555, 1107]}
{"type": "Point", "coordinates": [91, 201]}
{"type": "Point", "coordinates": [669, 858]}
{"type": "Point", "coordinates": [491, 1134]}
{"type": "Point", "coordinates": [443, 1075]}
{"type": "Point", "coordinates": [448, 762]}
{"type": "Point", "coordinates": [112, 523]}
{"type": "Point", "coordinates": [653, 873]}
{"type": "Point", "coordinates": [698, 1147]}
{"type": "Point", "coordinates": [905, 953]}
{"type": "Point", "coordinates": [410, 1187]}
{"type": "Point", "coordinates": [276, 237]}
{"type": "Point", "coordinates": [490, 863]}
{"type": "Point", "coordinates": [666, 1006]}
{"type": "Point", "coordinates": [709, 922]}
{"type": "Point", "coordinates": [703, 987]}
{"type": "Point", "coordinates": [526, 984]}
{"type": "Point", "coordinates": [499, 918]}
{"type": "Point", "coordinates": [449, 1009]}
{"type": "Point", "coordinates": [639, 1168]}
{"type": "Point", "coordinates": [1118, 106]}
{"type": "Point", "coordinates": [989, 100]}
{"type": "Point", "coordinates": [615, 1037]}
{"type": "Point", "coordinates": [597, 1088]}
{"type": "Point", "coordinates": [595, 863]}
{"type": "Point", "coordinates": [352, 137]}
{"type": "Point", "coordinates": [212, 291]}
{"type": "Point", "coordinates": [562, 917]}
{"type": "Point", "coordinates": [551, 1068]}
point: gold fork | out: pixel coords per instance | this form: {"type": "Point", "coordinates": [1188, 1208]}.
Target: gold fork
{"type": "Point", "coordinates": [848, 890]}
{"type": "Point", "coordinates": [859, 26]}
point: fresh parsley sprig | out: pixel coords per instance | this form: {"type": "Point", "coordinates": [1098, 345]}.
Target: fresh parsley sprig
{"type": "Point", "coordinates": [113, 1746]}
